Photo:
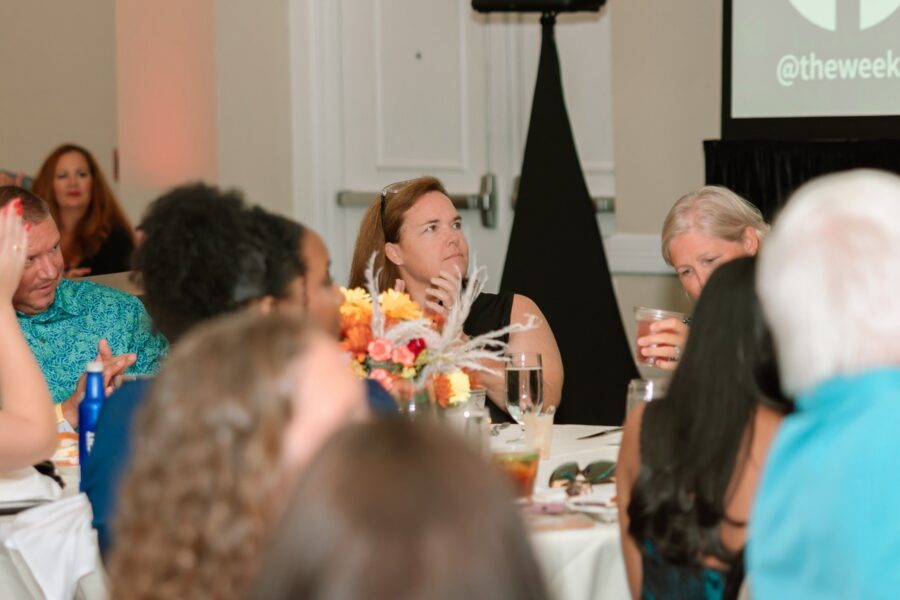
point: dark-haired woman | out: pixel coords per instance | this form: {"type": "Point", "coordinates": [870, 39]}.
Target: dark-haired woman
{"type": "Point", "coordinates": [95, 236]}
{"type": "Point", "coordinates": [690, 464]}
{"type": "Point", "coordinates": [205, 254]}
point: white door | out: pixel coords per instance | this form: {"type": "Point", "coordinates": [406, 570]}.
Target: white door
{"type": "Point", "coordinates": [387, 90]}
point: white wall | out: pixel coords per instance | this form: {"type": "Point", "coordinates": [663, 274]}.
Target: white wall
{"type": "Point", "coordinates": [665, 86]}
{"type": "Point", "coordinates": [666, 100]}
{"type": "Point", "coordinates": [204, 94]}
{"type": "Point", "coordinates": [57, 65]}
{"type": "Point", "coordinates": [253, 94]}
{"type": "Point", "coordinates": [166, 96]}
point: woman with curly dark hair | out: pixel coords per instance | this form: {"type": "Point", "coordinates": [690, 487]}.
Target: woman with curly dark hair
{"type": "Point", "coordinates": [204, 255]}
{"type": "Point", "coordinates": [240, 406]}
{"type": "Point", "coordinates": [690, 463]}
{"type": "Point", "coordinates": [95, 236]}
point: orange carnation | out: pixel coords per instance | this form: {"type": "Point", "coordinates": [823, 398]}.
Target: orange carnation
{"type": "Point", "coordinates": [440, 384]}
{"type": "Point", "coordinates": [356, 338]}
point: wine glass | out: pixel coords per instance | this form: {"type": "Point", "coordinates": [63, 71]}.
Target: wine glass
{"type": "Point", "coordinates": [524, 386]}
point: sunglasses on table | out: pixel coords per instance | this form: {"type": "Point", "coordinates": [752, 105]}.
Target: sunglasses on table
{"type": "Point", "coordinates": [576, 480]}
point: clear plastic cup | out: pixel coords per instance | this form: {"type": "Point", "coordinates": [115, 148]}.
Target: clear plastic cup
{"type": "Point", "coordinates": [520, 465]}
{"type": "Point", "coordinates": [539, 432]}
{"type": "Point", "coordinates": [644, 390]}
{"type": "Point", "coordinates": [644, 317]}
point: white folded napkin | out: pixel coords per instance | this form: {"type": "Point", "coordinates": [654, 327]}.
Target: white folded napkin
{"type": "Point", "coordinates": [57, 543]}
{"type": "Point", "coordinates": [27, 485]}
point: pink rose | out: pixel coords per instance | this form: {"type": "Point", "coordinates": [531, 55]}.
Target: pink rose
{"type": "Point", "coordinates": [404, 356]}
{"type": "Point", "coordinates": [383, 377]}
{"type": "Point", "coordinates": [380, 350]}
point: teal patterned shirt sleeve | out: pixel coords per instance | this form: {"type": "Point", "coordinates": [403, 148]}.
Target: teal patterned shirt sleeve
{"type": "Point", "coordinates": [149, 346]}
{"type": "Point", "coordinates": [64, 338]}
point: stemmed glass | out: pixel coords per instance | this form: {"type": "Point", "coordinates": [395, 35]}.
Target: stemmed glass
{"type": "Point", "coordinates": [524, 386]}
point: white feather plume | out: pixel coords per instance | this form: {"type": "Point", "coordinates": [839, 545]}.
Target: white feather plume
{"type": "Point", "coordinates": [448, 349]}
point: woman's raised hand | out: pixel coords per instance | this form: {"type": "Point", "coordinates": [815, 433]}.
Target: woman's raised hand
{"type": "Point", "coordinates": [665, 343]}
{"type": "Point", "coordinates": [443, 292]}
{"type": "Point", "coordinates": [13, 248]}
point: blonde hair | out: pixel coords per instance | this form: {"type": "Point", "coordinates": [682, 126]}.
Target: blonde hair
{"type": "Point", "coordinates": [381, 226]}
{"type": "Point", "coordinates": [205, 476]}
{"type": "Point", "coordinates": [714, 211]}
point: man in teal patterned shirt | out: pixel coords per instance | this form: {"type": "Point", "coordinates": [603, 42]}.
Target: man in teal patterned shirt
{"type": "Point", "coordinates": [69, 323]}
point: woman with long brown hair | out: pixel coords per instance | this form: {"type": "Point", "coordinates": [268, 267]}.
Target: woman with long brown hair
{"type": "Point", "coordinates": [96, 237]}
{"type": "Point", "coordinates": [241, 405]}
{"type": "Point", "coordinates": [416, 235]}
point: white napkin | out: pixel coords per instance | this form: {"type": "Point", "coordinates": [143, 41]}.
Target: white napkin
{"type": "Point", "coordinates": [57, 543]}
{"type": "Point", "coordinates": [27, 485]}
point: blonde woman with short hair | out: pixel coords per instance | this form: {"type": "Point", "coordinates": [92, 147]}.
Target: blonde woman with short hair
{"type": "Point", "coordinates": [703, 230]}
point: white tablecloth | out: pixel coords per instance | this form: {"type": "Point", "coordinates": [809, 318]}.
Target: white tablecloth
{"type": "Point", "coordinates": [578, 563]}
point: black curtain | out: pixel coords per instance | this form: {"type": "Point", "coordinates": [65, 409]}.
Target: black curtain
{"type": "Point", "coordinates": [766, 172]}
{"type": "Point", "coordinates": [556, 258]}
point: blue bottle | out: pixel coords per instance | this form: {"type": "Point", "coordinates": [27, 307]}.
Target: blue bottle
{"type": "Point", "coordinates": [89, 410]}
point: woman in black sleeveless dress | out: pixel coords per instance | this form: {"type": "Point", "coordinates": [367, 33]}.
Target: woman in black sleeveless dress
{"type": "Point", "coordinates": [416, 232]}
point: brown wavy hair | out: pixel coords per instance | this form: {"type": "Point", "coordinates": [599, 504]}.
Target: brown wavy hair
{"type": "Point", "coordinates": [103, 214]}
{"type": "Point", "coordinates": [205, 476]}
{"type": "Point", "coordinates": [393, 510]}
{"type": "Point", "coordinates": [375, 233]}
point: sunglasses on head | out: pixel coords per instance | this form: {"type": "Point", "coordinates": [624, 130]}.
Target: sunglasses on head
{"type": "Point", "coordinates": [389, 190]}
{"type": "Point", "coordinates": [575, 479]}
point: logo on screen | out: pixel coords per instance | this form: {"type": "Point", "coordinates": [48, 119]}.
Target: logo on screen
{"type": "Point", "coordinates": [824, 13]}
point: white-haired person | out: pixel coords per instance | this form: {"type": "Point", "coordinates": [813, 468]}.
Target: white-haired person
{"type": "Point", "coordinates": [825, 524]}
{"type": "Point", "coordinates": [704, 229]}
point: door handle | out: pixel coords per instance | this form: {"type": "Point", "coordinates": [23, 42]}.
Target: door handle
{"type": "Point", "coordinates": [485, 201]}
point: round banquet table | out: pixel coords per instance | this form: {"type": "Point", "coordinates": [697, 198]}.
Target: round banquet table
{"type": "Point", "coordinates": [578, 563]}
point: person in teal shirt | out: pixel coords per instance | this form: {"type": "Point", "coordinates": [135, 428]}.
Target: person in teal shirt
{"type": "Point", "coordinates": [825, 523]}
{"type": "Point", "coordinates": [69, 323]}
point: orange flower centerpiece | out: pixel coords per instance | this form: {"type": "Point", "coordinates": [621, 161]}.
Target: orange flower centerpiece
{"type": "Point", "coordinates": [390, 340]}
{"type": "Point", "coordinates": [367, 333]}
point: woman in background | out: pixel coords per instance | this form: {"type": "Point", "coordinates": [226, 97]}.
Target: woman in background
{"type": "Point", "coordinates": [241, 405]}
{"type": "Point", "coordinates": [96, 237]}
{"type": "Point", "coordinates": [690, 463]}
{"type": "Point", "coordinates": [416, 235]}
{"type": "Point", "coordinates": [397, 511]}
{"type": "Point", "coordinates": [703, 230]}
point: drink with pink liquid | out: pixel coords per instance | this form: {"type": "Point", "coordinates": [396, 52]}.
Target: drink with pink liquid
{"type": "Point", "coordinates": [644, 317]}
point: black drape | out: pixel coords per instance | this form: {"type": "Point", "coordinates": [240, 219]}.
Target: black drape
{"type": "Point", "coordinates": [766, 172]}
{"type": "Point", "coordinates": [556, 258]}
